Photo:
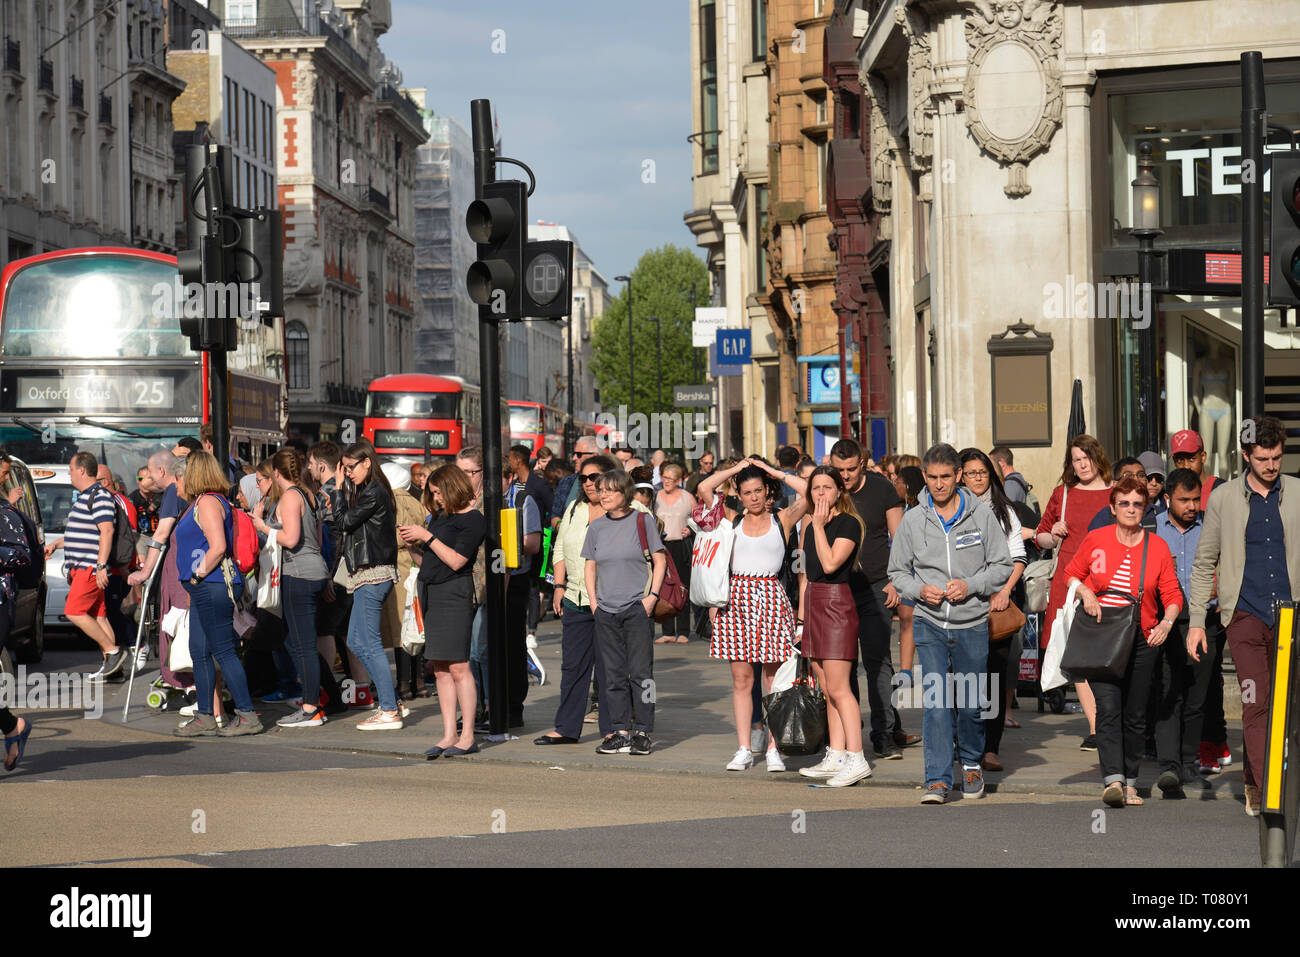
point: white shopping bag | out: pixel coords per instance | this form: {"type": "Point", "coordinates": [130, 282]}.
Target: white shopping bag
{"type": "Point", "coordinates": [268, 577]}
{"type": "Point", "coordinates": [1051, 674]}
{"type": "Point", "coordinates": [178, 655]}
{"type": "Point", "coordinates": [711, 566]}
{"type": "Point", "coordinates": [783, 680]}
{"type": "Point", "coordinates": [412, 625]}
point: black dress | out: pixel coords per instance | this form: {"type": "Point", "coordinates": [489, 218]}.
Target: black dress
{"type": "Point", "coordinates": [447, 596]}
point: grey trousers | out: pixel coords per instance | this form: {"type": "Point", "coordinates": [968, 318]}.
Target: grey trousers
{"type": "Point", "coordinates": [626, 639]}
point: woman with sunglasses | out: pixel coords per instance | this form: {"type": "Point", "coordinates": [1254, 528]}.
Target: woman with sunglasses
{"type": "Point", "coordinates": [1112, 558]}
{"type": "Point", "coordinates": [366, 515]}
{"type": "Point", "coordinates": [579, 650]}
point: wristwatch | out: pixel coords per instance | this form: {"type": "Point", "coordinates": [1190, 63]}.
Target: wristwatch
{"type": "Point", "coordinates": [196, 579]}
{"type": "Point", "coordinates": [100, 566]}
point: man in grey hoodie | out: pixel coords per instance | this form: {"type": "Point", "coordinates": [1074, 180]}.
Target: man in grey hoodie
{"type": "Point", "coordinates": [949, 555]}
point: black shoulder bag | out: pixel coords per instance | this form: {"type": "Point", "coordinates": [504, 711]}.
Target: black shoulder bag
{"type": "Point", "coordinates": [1100, 650]}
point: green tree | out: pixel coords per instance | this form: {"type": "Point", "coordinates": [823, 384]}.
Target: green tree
{"type": "Point", "coordinates": [662, 286]}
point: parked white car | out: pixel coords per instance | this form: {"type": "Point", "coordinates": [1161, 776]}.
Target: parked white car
{"type": "Point", "coordinates": [55, 493]}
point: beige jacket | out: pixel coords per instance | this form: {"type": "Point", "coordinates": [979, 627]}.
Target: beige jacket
{"type": "Point", "coordinates": [1222, 549]}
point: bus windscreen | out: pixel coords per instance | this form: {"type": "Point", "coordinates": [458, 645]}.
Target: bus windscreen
{"type": "Point", "coordinates": [412, 405]}
{"type": "Point", "coordinates": [99, 306]}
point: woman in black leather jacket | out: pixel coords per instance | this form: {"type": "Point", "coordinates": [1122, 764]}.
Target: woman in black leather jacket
{"type": "Point", "coordinates": [367, 519]}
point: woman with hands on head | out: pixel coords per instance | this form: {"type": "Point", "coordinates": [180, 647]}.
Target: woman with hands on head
{"type": "Point", "coordinates": [1111, 558]}
{"type": "Point", "coordinates": [757, 626]}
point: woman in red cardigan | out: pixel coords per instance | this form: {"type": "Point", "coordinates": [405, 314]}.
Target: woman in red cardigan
{"type": "Point", "coordinates": [1111, 558]}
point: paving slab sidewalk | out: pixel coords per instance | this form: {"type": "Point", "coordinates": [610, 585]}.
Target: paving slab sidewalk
{"type": "Point", "coordinates": [694, 732]}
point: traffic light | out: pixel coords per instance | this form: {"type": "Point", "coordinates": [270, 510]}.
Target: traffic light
{"type": "Point", "coordinates": [548, 279]}
{"type": "Point", "coordinates": [1284, 230]}
{"type": "Point", "coordinates": [258, 258]}
{"type": "Point", "coordinates": [498, 221]}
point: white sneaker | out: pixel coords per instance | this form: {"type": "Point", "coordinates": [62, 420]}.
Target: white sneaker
{"type": "Point", "coordinates": [142, 658]}
{"type": "Point", "coordinates": [743, 761]}
{"type": "Point", "coordinates": [757, 738]}
{"type": "Point", "coordinates": [190, 710]}
{"type": "Point", "coordinates": [855, 768]}
{"type": "Point", "coordinates": [827, 768]}
{"type": "Point", "coordinates": [530, 641]}
{"type": "Point", "coordinates": [774, 761]}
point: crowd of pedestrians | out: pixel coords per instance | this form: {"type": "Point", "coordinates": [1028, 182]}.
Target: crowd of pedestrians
{"type": "Point", "coordinates": [824, 557]}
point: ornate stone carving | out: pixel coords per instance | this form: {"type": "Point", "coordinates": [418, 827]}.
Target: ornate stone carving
{"type": "Point", "coordinates": [1014, 48]}
{"type": "Point", "coordinates": [882, 157]}
{"type": "Point", "coordinates": [920, 77]}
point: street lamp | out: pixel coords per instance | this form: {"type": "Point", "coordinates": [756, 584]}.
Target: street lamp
{"type": "Point", "coordinates": [659, 362]}
{"type": "Point", "coordinates": [631, 374]}
{"type": "Point", "coordinates": [1146, 227]}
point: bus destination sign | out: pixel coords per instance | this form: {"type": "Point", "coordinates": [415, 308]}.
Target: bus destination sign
{"type": "Point", "coordinates": [160, 393]}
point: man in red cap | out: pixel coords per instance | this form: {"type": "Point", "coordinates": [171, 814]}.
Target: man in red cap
{"type": "Point", "coordinates": [1188, 453]}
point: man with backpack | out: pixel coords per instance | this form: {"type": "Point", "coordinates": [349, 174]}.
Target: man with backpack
{"type": "Point", "coordinates": [87, 547]}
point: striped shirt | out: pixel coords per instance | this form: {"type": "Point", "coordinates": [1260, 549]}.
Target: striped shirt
{"type": "Point", "coordinates": [81, 538]}
{"type": "Point", "coordinates": [1122, 581]}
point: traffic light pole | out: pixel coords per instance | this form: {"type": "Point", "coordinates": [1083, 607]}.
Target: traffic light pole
{"type": "Point", "coordinates": [490, 385]}
{"type": "Point", "coordinates": [1253, 129]}
{"type": "Point", "coordinates": [214, 198]}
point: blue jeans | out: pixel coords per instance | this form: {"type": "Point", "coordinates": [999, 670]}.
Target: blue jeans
{"type": "Point", "coordinates": [478, 656]}
{"type": "Point", "coordinates": [212, 637]}
{"type": "Point", "coordinates": [366, 643]}
{"type": "Point", "coordinates": [963, 654]}
{"type": "Point", "coordinates": [299, 598]}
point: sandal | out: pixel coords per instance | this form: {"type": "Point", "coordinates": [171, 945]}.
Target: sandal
{"type": "Point", "coordinates": [682, 639]}
{"type": "Point", "coordinates": [421, 692]}
{"type": "Point", "coordinates": [1131, 797]}
{"type": "Point", "coordinates": [21, 740]}
{"type": "Point", "coordinates": [1011, 722]}
{"type": "Point", "coordinates": [666, 639]}
{"type": "Point", "coordinates": [1113, 796]}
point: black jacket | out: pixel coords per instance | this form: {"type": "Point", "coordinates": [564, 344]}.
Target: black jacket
{"type": "Point", "coordinates": [368, 529]}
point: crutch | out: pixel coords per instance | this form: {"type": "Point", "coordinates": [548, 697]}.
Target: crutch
{"type": "Point", "coordinates": [139, 632]}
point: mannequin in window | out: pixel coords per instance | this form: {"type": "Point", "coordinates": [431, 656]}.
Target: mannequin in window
{"type": "Point", "coordinates": [1212, 396]}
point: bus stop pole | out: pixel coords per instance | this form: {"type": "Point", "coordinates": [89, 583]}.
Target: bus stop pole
{"type": "Point", "coordinates": [493, 495]}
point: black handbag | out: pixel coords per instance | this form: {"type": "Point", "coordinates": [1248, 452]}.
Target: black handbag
{"type": "Point", "coordinates": [797, 716]}
{"type": "Point", "coordinates": [1100, 650]}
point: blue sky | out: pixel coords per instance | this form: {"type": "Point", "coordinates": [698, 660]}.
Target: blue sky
{"type": "Point", "coordinates": [584, 93]}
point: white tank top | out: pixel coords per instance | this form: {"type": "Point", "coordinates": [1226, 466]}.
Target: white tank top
{"type": "Point", "coordinates": [758, 556]}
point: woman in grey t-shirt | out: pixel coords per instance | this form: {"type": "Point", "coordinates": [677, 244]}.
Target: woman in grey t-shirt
{"type": "Point", "coordinates": [617, 575]}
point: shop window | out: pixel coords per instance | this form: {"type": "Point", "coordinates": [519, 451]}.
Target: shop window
{"type": "Point", "coordinates": [1212, 397]}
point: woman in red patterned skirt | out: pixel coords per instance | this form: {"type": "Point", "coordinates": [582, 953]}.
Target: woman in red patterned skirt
{"type": "Point", "coordinates": [757, 624]}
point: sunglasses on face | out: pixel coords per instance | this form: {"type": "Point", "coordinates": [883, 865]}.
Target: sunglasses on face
{"type": "Point", "coordinates": [590, 476]}
{"type": "Point", "coordinates": [1135, 504]}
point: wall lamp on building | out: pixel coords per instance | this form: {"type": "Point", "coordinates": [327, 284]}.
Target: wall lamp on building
{"type": "Point", "coordinates": [1146, 227]}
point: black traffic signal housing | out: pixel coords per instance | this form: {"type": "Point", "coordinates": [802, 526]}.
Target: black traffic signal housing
{"type": "Point", "coordinates": [498, 221]}
{"type": "Point", "coordinates": [1284, 230]}
{"type": "Point", "coordinates": [259, 258]}
{"type": "Point", "coordinates": [548, 279]}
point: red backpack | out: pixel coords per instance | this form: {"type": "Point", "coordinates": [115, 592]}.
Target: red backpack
{"type": "Point", "coordinates": [243, 547]}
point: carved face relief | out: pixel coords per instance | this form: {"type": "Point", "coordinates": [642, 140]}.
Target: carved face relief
{"type": "Point", "coordinates": [1007, 13]}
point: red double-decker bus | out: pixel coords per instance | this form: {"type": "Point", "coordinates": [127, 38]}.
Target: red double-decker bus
{"type": "Point", "coordinates": [534, 425]}
{"type": "Point", "coordinates": [92, 357]}
{"type": "Point", "coordinates": [415, 417]}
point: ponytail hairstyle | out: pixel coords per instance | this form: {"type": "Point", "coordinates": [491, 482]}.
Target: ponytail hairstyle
{"type": "Point", "coordinates": [266, 469]}
{"type": "Point", "coordinates": [842, 505]}
{"type": "Point", "coordinates": [286, 462]}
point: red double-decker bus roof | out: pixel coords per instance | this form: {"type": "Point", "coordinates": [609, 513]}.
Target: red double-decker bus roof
{"type": "Point", "coordinates": [416, 382]}
{"type": "Point", "coordinates": [18, 264]}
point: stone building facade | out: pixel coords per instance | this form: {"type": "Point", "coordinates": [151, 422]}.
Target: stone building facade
{"type": "Point", "coordinates": [347, 141]}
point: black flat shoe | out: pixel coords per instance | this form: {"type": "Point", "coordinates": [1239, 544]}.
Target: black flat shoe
{"type": "Point", "coordinates": [453, 752]}
{"type": "Point", "coordinates": [434, 753]}
{"type": "Point", "coordinates": [556, 739]}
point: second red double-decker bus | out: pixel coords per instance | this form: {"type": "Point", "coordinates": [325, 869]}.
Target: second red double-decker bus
{"type": "Point", "coordinates": [416, 417]}
{"type": "Point", "coordinates": [534, 425]}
